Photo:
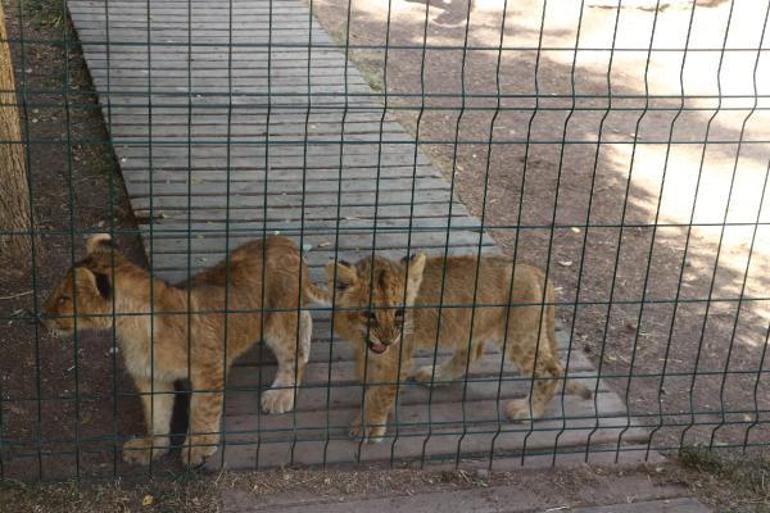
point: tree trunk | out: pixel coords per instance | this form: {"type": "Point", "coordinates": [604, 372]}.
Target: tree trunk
{"type": "Point", "coordinates": [14, 198]}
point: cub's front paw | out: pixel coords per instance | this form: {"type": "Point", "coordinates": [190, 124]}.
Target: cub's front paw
{"type": "Point", "coordinates": [197, 449]}
{"type": "Point", "coordinates": [277, 400]}
{"type": "Point", "coordinates": [141, 450]}
{"type": "Point", "coordinates": [518, 410]}
{"type": "Point", "coordinates": [425, 376]}
{"type": "Point", "coordinates": [372, 432]}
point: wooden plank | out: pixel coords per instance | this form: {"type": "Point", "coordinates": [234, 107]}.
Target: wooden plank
{"type": "Point", "coordinates": [275, 218]}
{"type": "Point", "coordinates": [279, 157]}
{"type": "Point", "coordinates": [311, 173]}
{"type": "Point", "coordinates": [313, 191]}
{"type": "Point", "coordinates": [205, 248]}
{"type": "Point", "coordinates": [419, 419]}
{"type": "Point", "coordinates": [342, 369]}
{"type": "Point", "coordinates": [173, 266]}
{"type": "Point", "coordinates": [339, 395]}
{"type": "Point", "coordinates": [255, 199]}
{"type": "Point", "coordinates": [328, 229]}
{"type": "Point", "coordinates": [413, 440]}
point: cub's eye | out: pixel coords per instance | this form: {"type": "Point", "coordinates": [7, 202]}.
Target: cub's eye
{"type": "Point", "coordinates": [63, 300]}
{"type": "Point", "coordinates": [400, 314]}
{"type": "Point", "coordinates": [370, 316]}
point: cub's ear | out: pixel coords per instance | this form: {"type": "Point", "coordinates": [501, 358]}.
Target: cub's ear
{"type": "Point", "coordinates": [346, 274]}
{"type": "Point", "coordinates": [416, 264]}
{"type": "Point", "coordinates": [99, 281]}
{"type": "Point", "coordinates": [415, 267]}
{"type": "Point", "coordinates": [99, 242]}
{"type": "Point", "coordinates": [103, 285]}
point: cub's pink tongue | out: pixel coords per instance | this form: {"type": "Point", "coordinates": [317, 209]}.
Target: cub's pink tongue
{"type": "Point", "coordinates": [377, 347]}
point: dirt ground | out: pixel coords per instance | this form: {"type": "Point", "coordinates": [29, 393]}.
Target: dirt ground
{"type": "Point", "coordinates": [52, 391]}
{"type": "Point", "coordinates": [581, 177]}
{"type": "Point", "coordinates": [722, 484]}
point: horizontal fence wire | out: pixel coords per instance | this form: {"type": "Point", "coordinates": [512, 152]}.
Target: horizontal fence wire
{"type": "Point", "coordinates": [390, 233]}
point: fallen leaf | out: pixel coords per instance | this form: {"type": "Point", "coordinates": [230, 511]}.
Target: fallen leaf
{"type": "Point", "coordinates": [148, 500]}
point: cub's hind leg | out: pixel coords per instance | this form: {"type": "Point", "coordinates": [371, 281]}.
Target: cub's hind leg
{"type": "Point", "coordinates": [451, 369]}
{"type": "Point", "coordinates": [158, 402]}
{"type": "Point", "coordinates": [536, 358]}
{"type": "Point", "coordinates": [292, 350]}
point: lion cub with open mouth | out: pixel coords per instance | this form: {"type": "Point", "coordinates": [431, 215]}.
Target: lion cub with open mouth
{"type": "Point", "coordinates": [374, 319]}
{"type": "Point", "coordinates": [157, 348]}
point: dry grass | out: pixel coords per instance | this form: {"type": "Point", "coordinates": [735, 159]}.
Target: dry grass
{"type": "Point", "coordinates": [182, 494]}
{"type": "Point", "coordinates": [729, 481]}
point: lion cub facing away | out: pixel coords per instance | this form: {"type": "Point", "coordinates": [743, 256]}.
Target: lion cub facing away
{"type": "Point", "coordinates": [376, 330]}
{"type": "Point", "coordinates": [200, 354]}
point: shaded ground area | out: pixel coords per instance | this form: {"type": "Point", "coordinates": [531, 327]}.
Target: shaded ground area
{"type": "Point", "coordinates": [593, 161]}
{"type": "Point", "coordinates": [50, 389]}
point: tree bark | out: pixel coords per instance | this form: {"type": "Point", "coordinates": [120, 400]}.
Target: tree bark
{"type": "Point", "coordinates": [14, 196]}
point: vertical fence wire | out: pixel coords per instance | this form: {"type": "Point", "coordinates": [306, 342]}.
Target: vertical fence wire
{"type": "Point", "coordinates": [34, 280]}
{"type": "Point", "coordinates": [112, 211]}
{"type": "Point", "coordinates": [627, 393]}
{"type": "Point", "coordinates": [415, 155]}
{"type": "Point", "coordinates": [188, 262]}
{"type": "Point", "coordinates": [600, 363]}
{"type": "Point", "coordinates": [73, 227]}
{"type": "Point", "coordinates": [699, 351]}
{"type": "Point", "coordinates": [744, 280]}
{"type": "Point", "coordinates": [584, 244]}
{"type": "Point", "coordinates": [519, 214]}
{"type": "Point", "coordinates": [222, 387]}
{"type": "Point", "coordinates": [666, 159]}
{"type": "Point", "coordinates": [267, 165]}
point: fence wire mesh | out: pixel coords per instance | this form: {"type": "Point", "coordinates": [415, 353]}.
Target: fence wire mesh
{"type": "Point", "coordinates": [586, 179]}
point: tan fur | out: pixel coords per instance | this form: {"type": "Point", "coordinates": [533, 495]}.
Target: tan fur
{"type": "Point", "coordinates": [351, 284]}
{"type": "Point", "coordinates": [173, 353]}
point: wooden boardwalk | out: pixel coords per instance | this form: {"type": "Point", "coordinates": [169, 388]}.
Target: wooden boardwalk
{"type": "Point", "coordinates": [226, 135]}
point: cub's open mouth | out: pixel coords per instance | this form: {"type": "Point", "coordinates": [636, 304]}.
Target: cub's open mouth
{"type": "Point", "coordinates": [377, 347]}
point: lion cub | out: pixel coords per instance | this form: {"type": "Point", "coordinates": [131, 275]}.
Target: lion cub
{"type": "Point", "coordinates": [375, 321]}
{"type": "Point", "coordinates": [155, 342]}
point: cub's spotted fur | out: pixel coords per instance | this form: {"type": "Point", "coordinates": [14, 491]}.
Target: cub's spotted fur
{"type": "Point", "coordinates": [376, 331]}
{"type": "Point", "coordinates": [85, 297]}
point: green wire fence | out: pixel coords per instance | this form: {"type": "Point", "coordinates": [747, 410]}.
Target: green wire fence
{"type": "Point", "coordinates": [619, 146]}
